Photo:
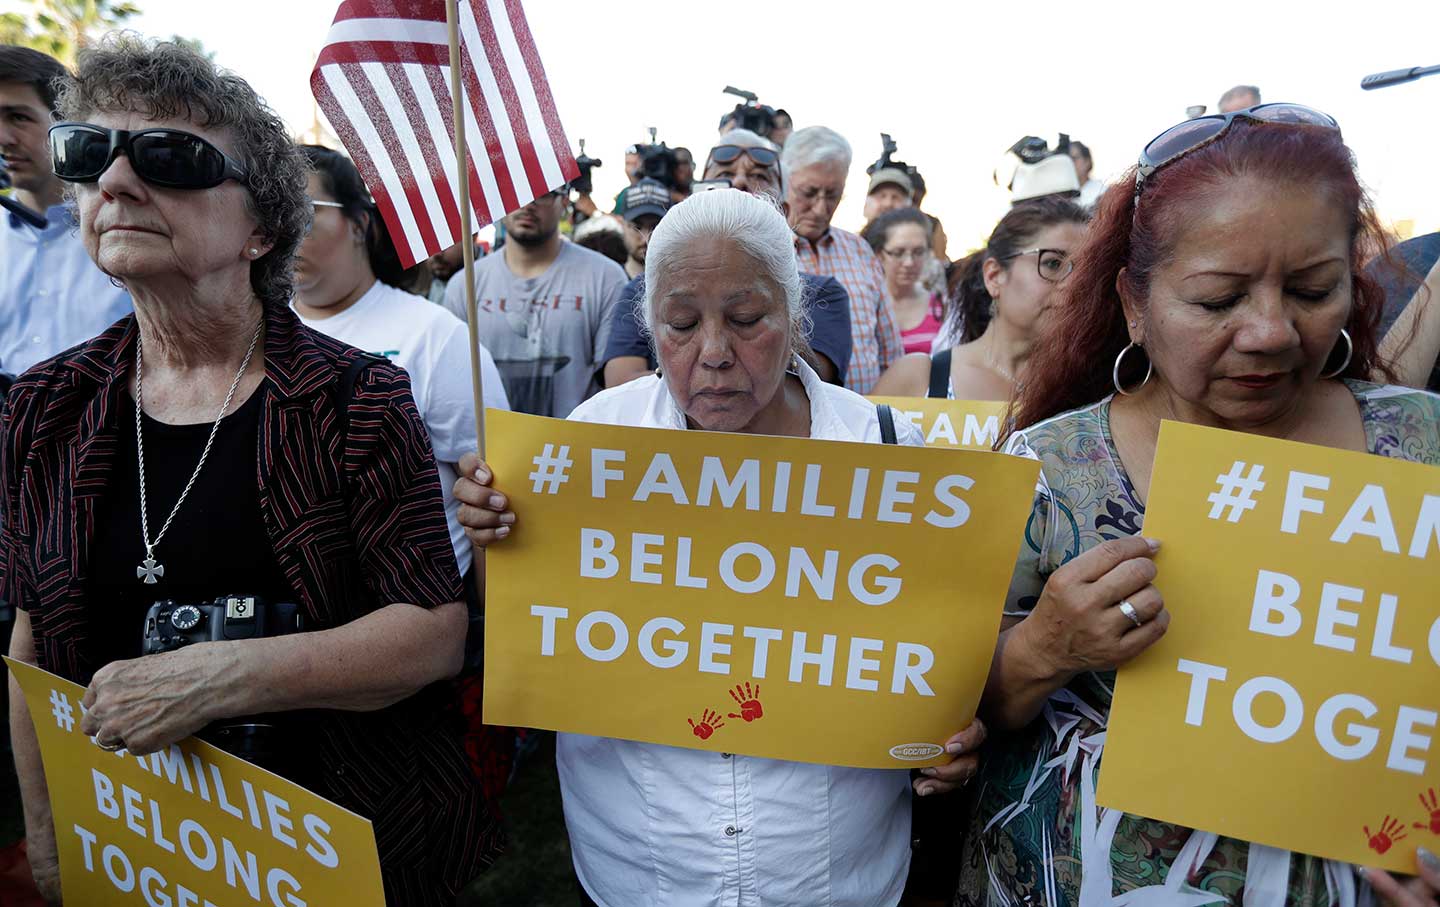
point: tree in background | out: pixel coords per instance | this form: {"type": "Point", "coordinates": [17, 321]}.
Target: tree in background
{"type": "Point", "coordinates": [61, 27]}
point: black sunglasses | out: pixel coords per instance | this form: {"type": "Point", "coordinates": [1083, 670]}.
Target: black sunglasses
{"type": "Point", "coordinates": [1179, 140]}
{"type": "Point", "coordinates": [170, 158]}
{"type": "Point", "coordinates": [725, 154]}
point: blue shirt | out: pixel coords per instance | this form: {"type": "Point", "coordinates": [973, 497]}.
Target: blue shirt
{"type": "Point", "coordinates": [825, 300]}
{"type": "Point", "coordinates": [52, 296]}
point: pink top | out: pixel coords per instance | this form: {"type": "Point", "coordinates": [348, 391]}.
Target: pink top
{"type": "Point", "coordinates": [919, 338]}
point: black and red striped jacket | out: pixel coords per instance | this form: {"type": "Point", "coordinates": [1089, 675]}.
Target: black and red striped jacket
{"type": "Point", "coordinates": [352, 530]}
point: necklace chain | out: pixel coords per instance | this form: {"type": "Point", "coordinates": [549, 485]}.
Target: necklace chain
{"type": "Point", "coordinates": [140, 439]}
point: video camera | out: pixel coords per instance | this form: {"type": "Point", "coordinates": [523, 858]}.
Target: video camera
{"type": "Point", "coordinates": [171, 625]}
{"type": "Point", "coordinates": [586, 163]}
{"type": "Point", "coordinates": [887, 161]}
{"type": "Point", "coordinates": [750, 113]}
{"type": "Point", "coordinates": [657, 161]}
{"type": "Point", "coordinates": [1032, 149]}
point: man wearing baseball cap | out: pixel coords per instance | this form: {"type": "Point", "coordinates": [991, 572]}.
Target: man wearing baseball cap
{"type": "Point", "coordinates": [890, 188]}
{"type": "Point", "coordinates": [644, 204]}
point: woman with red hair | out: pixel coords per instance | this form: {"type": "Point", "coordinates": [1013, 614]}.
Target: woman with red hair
{"type": "Point", "coordinates": [1220, 284]}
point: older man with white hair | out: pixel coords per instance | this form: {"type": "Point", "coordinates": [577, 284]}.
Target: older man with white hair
{"type": "Point", "coordinates": [815, 162]}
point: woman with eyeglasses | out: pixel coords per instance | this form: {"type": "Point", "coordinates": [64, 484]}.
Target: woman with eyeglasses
{"type": "Point", "coordinates": [999, 295]}
{"type": "Point", "coordinates": [1221, 284]}
{"type": "Point", "coordinates": [350, 285]}
{"type": "Point", "coordinates": [212, 446]}
{"type": "Point", "coordinates": [901, 238]}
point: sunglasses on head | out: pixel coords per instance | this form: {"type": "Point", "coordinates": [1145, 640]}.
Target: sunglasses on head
{"type": "Point", "coordinates": [725, 154]}
{"type": "Point", "coordinates": [1179, 140]}
{"type": "Point", "coordinates": [170, 158]}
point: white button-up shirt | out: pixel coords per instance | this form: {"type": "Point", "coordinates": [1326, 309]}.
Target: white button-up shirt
{"type": "Point", "coordinates": [656, 825]}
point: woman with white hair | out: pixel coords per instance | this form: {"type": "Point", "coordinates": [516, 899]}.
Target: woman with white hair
{"type": "Point", "coordinates": [653, 824]}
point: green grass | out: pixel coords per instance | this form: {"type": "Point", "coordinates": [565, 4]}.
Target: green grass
{"type": "Point", "coordinates": [535, 869]}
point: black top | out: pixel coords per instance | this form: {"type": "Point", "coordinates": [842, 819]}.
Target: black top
{"type": "Point", "coordinates": [940, 374]}
{"type": "Point", "coordinates": [217, 544]}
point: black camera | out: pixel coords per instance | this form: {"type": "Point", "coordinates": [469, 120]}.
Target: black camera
{"type": "Point", "coordinates": [582, 183]}
{"type": "Point", "coordinates": [171, 625]}
{"type": "Point", "coordinates": [657, 162]}
{"type": "Point", "coordinates": [750, 113]}
{"type": "Point", "coordinates": [1033, 150]}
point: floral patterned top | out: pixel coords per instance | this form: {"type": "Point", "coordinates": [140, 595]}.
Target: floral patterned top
{"type": "Point", "coordinates": [1037, 835]}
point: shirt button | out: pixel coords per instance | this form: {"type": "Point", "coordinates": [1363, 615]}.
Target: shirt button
{"type": "Point", "coordinates": [724, 755]}
{"type": "Point", "coordinates": [731, 831]}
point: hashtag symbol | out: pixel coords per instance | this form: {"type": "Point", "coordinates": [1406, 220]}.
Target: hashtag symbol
{"type": "Point", "coordinates": [1237, 491]}
{"type": "Point", "coordinates": [551, 469]}
{"type": "Point", "coordinates": [64, 712]}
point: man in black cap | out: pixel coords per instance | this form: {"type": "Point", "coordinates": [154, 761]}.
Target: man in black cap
{"type": "Point", "coordinates": [644, 204]}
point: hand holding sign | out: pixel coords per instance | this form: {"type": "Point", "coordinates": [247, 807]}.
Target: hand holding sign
{"type": "Point", "coordinates": [703, 567]}
{"type": "Point", "coordinates": [1308, 652]}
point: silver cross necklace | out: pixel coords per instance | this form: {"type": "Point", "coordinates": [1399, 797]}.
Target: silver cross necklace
{"type": "Point", "coordinates": [149, 569]}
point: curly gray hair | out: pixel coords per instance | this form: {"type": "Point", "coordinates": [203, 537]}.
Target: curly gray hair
{"type": "Point", "coordinates": [164, 80]}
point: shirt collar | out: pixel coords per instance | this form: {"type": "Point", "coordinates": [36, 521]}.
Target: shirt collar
{"type": "Point", "coordinates": [826, 239]}
{"type": "Point", "coordinates": [824, 421]}
{"type": "Point", "coordinates": [294, 362]}
{"type": "Point", "coordinates": [58, 219]}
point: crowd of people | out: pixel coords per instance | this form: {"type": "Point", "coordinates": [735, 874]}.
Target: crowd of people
{"type": "Point", "coordinates": [302, 403]}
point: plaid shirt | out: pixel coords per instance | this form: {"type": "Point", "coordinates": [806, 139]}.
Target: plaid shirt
{"type": "Point", "coordinates": [874, 335]}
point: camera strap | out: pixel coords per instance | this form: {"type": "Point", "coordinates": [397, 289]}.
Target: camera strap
{"type": "Point", "coordinates": [346, 392]}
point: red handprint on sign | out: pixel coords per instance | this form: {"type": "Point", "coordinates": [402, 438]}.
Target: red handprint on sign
{"type": "Point", "coordinates": [709, 721]}
{"type": "Point", "coordinates": [1430, 803]}
{"type": "Point", "coordinates": [1382, 840]}
{"type": "Point", "coordinates": [749, 701]}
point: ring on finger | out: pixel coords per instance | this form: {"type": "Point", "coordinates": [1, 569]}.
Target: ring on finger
{"type": "Point", "coordinates": [1128, 610]}
{"type": "Point", "coordinates": [111, 747]}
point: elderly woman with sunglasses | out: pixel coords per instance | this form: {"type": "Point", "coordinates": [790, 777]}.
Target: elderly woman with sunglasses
{"type": "Point", "coordinates": [1221, 284]}
{"type": "Point", "coordinates": [211, 447]}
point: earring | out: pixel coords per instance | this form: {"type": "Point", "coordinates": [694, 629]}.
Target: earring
{"type": "Point", "coordinates": [254, 253]}
{"type": "Point", "coordinates": [1133, 324]}
{"type": "Point", "coordinates": [1115, 371]}
{"type": "Point", "coordinates": [1349, 351]}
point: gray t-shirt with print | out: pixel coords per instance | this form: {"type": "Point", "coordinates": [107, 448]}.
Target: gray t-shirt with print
{"type": "Point", "coordinates": [547, 333]}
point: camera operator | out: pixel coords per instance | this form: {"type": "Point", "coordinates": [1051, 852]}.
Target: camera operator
{"type": "Point", "coordinates": [52, 295]}
{"type": "Point", "coordinates": [213, 449]}
{"type": "Point", "coordinates": [890, 188]}
{"type": "Point", "coordinates": [751, 164]}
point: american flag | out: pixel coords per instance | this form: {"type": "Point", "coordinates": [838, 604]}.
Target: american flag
{"type": "Point", "coordinates": [383, 80]}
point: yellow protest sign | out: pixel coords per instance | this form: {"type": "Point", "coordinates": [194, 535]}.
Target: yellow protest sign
{"type": "Point", "coordinates": [951, 423]}
{"type": "Point", "coordinates": [806, 600]}
{"type": "Point", "coordinates": [191, 826]}
{"type": "Point", "coordinates": [1293, 700]}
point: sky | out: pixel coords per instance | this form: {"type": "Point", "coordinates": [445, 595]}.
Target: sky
{"type": "Point", "coordinates": [955, 82]}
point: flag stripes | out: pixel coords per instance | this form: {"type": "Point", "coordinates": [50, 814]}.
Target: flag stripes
{"type": "Point", "coordinates": [382, 80]}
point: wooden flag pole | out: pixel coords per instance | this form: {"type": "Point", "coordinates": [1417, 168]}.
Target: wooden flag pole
{"type": "Point", "coordinates": [467, 244]}
{"type": "Point", "coordinates": [467, 248]}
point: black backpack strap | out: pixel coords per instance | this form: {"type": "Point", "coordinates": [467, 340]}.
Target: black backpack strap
{"type": "Point", "coordinates": [940, 375]}
{"type": "Point", "coordinates": [886, 417]}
